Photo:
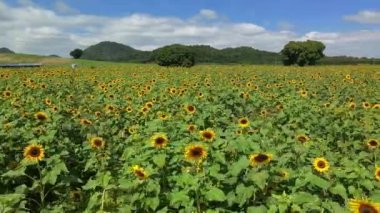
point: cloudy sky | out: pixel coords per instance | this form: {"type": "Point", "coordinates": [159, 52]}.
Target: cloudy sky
{"type": "Point", "coordinates": [347, 27]}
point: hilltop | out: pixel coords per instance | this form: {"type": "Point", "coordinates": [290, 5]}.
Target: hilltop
{"type": "Point", "coordinates": [6, 50]}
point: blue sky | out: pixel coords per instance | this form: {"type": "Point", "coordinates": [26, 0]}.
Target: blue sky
{"type": "Point", "coordinates": [339, 23]}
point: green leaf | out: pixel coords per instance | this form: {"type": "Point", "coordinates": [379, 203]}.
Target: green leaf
{"type": "Point", "coordinates": [244, 193]}
{"type": "Point", "coordinates": [238, 166]}
{"type": "Point", "coordinates": [15, 173]}
{"type": "Point", "coordinates": [318, 181]}
{"type": "Point", "coordinates": [52, 175]}
{"type": "Point", "coordinates": [160, 160]}
{"type": "Point", "coordinates": [257, 209]}
{"type": "Point", "coordinates": [303, 197]}
{"type": "Point", "coordinates": [215, 194]}
{"type": "Point", "coordinates": [10, 199]}
{"type": "Point", "coordinates": [367, 184]}
{"type": "Point", "coordinates": [179, 198]}
{"type": "Point", "coordinates": [340, 190]}
{"type": "Point", "coordinates": [259, 178]}
{"type": "Point", "coordinates": [152, 202]}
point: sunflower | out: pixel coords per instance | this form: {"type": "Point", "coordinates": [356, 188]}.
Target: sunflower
{"type": "Point", "coordinates": [264, 112]}
{"type": "Point", "coordinates": [238, 132]}
{"type": "Point", "coordinates": [98, 114]}
{"type": "Point", "coordinates": [366, 105]}
{"type": "Point", "coordinates": [321, 165]}
{"type": "Point", "coordinates": [260, 159]}
{"type": "Point", "coordinates": [243, 122]}
{"type": "Point", "coordinates": [47, 101]}
{"type": "Point", "coordinates": [144, 110]}
{"type": "Point", "coordinates": [76, 196]}
{"type": "Point", "coordinates": [195, 153]}
{"type": "Point", "coordinates": [303, 138]}
{"type": "Point", "coordinates": [97, 142]}
{"type": "Point", "coordinates": [190, 109]}
{"type": "Point", "coordinates": [283, 174]}
{"type": "Point", "coordinates": [149, 104]}
{"type": "Point", "coordinates": [34, 152]}
{"type": "Point", "coordinates": [327, 105]}
{"type": "Point", "coordinates": [207, 135]}
{"type": "Point", "coordinates": [139, 172]}
{"type": "Point", "coordinates": [129, 109]}
{"type": "Point", "coordinates": [191, 127]}
{"type": "Point", "coordinates": [7, 94]}
{"type": "Point", "coordinates": [41, 116]}
{"type": "Point", "coordinates": [352, 105]}
{"type": "Point", "coordinates": [363, 206]}
{"type": "Point", "coordinates": [84, 121]}
{"type": "Point", "coordinates": [376, 106]}
{"type": "Point", "coordinates": [200, 95]}
{"type": "Point", "coordinates": [163, 116]}
{"type": "Point", "coordinates": [159, 140]}
{"type": "Point", "coordinates": [303, 93]}
{"type": "Point", "coordinates": [373, 144]}
{"type": "Point", "coordinates": [377, 173]}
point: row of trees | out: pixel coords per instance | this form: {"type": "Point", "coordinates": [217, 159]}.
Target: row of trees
{"type": "Point", "coordinates": [295, 52]}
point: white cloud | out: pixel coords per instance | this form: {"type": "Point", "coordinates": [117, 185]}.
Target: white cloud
{"type": "Point", "coordinates": [365, 17]}
{"type": "Point", "coordinates": [33, 29]}
{"type": "Point", "coordinates": [209, 14]}
{"type": "Point", "coordinates": [62, 7]}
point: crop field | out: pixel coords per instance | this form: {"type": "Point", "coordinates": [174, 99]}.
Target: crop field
{"type": "Point", "coordinates": [142, 138]}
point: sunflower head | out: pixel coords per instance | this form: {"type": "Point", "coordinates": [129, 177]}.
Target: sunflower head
{"type": "Point", "coordinates": [373, 144]}
{"type": "Point", "coordinates": [243, 122]}
{"type": "Point", "coordinates": [41, 116]}
{"type": "Point", "coordinates": [159, 140]}
{"type": "Point", "coordinates": [7, 94]}
{"type": "Point", "coordinates": [207, 135]}
{"type": "Point", "coordinates": [76, 196]}
{"type": "Point", "coordinates": [97, 142]}
{"type": "Point", "coordinates": [139, 172]}
{"type": "Point", "coordinates": [321, 165]}
{"type": "Point", "coordinates": [260, 159]}
{"type": "Point", "coordinates": [47, 101]}
{"type": "Point", "coordinates": [366, 105]}
{"type": "Point", "coordinates": [129, 109]}
{"type": "Point", "coordinates": [376, 106]}
{"type": "Point", "coordinates": [302, 138]}
{"type": "Point", "coordinates": [283, 174]}
{"type": "Point", "coordinates": [85, 122]}
{"type": "Point", "coordinates": [190, 109]}
{"type": "Point", "coordinates": [149, 104]}
{"type": "Point", "coordinates": [377, 173]}
{"type": "Point", "coordinates": [363, 206]}
{"type": "Point", "coordinates": [34, 152]}
{"type": "Point", "coordinates": [195, 153]}
{"type": "Point", "coordinates": [352, 105]}
{"type": "Point", "coordinates": [191, 127]}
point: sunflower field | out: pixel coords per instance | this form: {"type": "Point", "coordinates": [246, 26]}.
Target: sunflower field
{"type": "Point", "coordinates": [141, 138]}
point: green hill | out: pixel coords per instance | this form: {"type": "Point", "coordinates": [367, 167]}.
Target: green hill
{"type": "Point", "coordinates": [112, 51]}
{"type": "Point", "coordinates": [6, 50]}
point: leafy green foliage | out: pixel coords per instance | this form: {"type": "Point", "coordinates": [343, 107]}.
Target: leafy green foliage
{"type": "Point", "coordinates": [76, 53]}
{"type": "Point", "coordinates": [302, 52]}
{"type": "Point", "coordinates": [175, 55]}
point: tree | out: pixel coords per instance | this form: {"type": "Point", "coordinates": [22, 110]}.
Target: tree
{"type": "Point", "coordinates": [175, 55]}
{"type": "Point", "coordinates": [302, 52]}
{"type": "Point", "coordinates": [77, 53]}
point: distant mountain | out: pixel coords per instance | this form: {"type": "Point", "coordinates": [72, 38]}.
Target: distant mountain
{"type": "Point", "coordinates": [112, 51]}
{"type": "Point", "coordinates": [6, 50]}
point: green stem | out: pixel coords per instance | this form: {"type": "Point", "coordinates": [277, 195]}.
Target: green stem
{"type": "Point", "coordinates": [103, 196]}
{"type": "Point", "coordinates": [42, 187]}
